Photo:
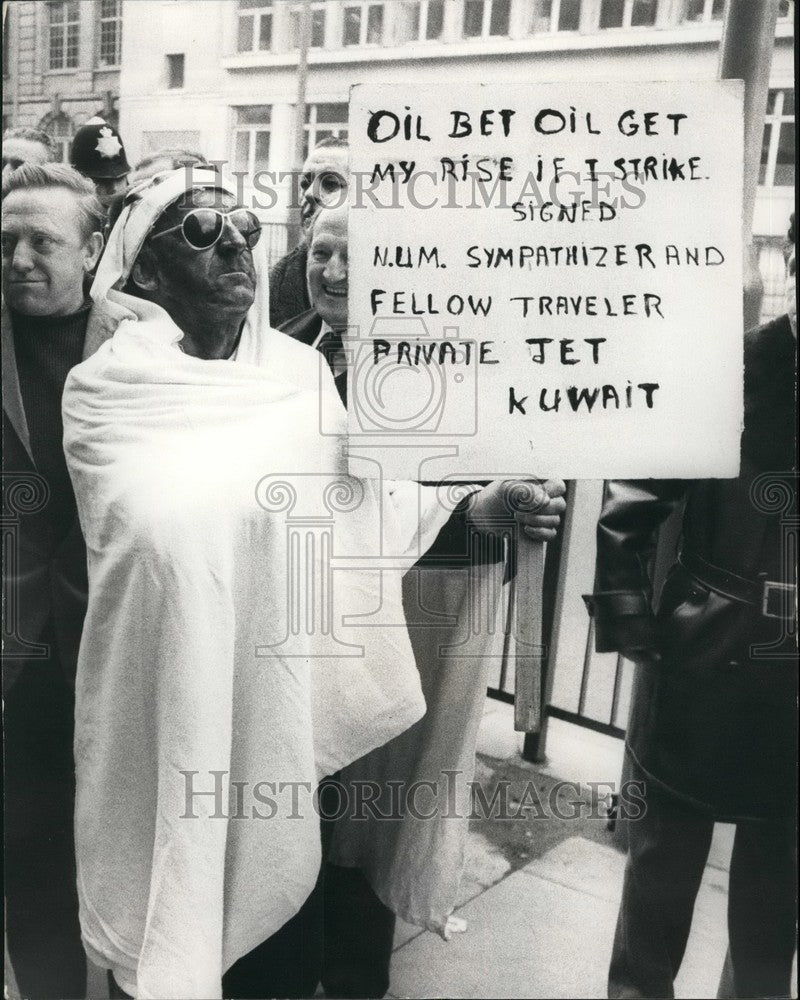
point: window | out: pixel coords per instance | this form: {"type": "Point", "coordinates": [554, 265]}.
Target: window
{"type": "Point", "coordinates": [703, 11]}
{"type": "Point", "coordinates": [153, 141]}
{"type": "Point", "coordinates": [777, 150]}
{"type": "Point", "coordinates": [643, 13]}
{"type": "Point", "coordinates": [363, 24]}
{"type": "Point", "coordinates": [323, 120]}
{"type": "Point", "coordinates": [772, 265]}
{"type": "Point", "coordinates": [251, 138]}
{"type": "Point", "coordinates": [110, 33]}
{"type": "Point", "coordinates": [317, 27]}
{"type": "Point", "coordinates": [612, 13]}
{"type": "Point", "coordinates": [555, 15]}
{"type": "Point", "coordinates": [175, 68]}
{"type": "Point", "coordinates": [786, 9]}
{"type": "Point", "coordinates": [483, 18]}
{"type": "Point", "coordinates": [628, 13]}
{"type": "Point", "coordinates": [63, 34]}
{"type": "Point", "coordinates": [425, 20]}
{"type": "Point", "coordinates": [255, 26]}
{"type": "Point", "coordinates": [59, 128]}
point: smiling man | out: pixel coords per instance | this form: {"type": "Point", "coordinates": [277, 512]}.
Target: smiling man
{"type": "Point", "coordinates": [323, 325]}
{"type": "Point", "coordinates": [51, 241]}
{"type": "Point", "coordinates": [365, 883]}
{"type": "Point", "coordinates": [327, 268]}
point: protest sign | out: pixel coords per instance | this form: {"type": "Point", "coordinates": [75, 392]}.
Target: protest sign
{"type": "Point", "coordinates": [547, 278]}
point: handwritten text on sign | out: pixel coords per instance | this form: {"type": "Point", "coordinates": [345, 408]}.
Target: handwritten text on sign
{"type": "Point", "coordinates": [547, 278]}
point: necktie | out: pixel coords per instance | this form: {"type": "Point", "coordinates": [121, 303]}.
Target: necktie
{"type": "Point", "coordinates": [332, 349]}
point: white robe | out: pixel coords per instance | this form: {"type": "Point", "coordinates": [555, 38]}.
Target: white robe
{"type": "Point", "coordinates": [206, 491]}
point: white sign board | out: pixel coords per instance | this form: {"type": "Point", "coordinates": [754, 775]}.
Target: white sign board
{"type": "Point", "coordinates": [547, 279]}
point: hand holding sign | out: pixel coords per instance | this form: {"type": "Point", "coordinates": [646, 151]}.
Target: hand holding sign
{"type": "Point", "coordinates": [538, 517]}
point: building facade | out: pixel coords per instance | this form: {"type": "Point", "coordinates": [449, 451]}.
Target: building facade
{"type": "Point", "coordinates": [219, 76]}
{"type": "Point", "coordinates": [61, 64]}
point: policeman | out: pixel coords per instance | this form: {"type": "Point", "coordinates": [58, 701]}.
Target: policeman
{"type": "Point", "coordinates": [97, 152]}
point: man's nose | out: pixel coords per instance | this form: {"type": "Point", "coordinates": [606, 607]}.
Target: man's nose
{"type": "Point", "coordinates": [231, 238]}
{"type": "Point", "coordinates": [22, 257]}
{"type": "Point", "coordinates": [335, 270]}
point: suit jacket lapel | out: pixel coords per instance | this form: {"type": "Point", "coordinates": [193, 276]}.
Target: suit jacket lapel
{"type": "Point", "coordinates": [12, 395]}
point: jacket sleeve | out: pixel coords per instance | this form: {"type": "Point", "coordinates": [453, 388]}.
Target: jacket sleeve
{"type": "Point", "coordinates": [627, 531]}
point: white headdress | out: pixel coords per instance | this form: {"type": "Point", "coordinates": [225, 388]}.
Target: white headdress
{"type": "Point", "coordinates": [144, 204]}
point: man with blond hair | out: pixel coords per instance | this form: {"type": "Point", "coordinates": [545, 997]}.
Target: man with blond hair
{"type": "Point", "coordinates": [51, 222]}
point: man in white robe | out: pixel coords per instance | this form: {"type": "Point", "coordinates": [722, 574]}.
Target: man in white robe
{"type": "Point", "coordinates": [228, 660]}
{"type": "Point", "coordinates": [210, 697]}
{"type": "Point", "coordinates": [401, 853]}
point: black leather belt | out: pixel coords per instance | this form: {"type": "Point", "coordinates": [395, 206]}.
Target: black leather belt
{"type": "Point", "coordinates": [774, 598]}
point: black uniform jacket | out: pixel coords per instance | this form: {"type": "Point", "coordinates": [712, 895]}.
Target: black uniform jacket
{"type": "Point", "coordinates": [288, 291]}
{"type": "Point", "coordinates": [715, 720]}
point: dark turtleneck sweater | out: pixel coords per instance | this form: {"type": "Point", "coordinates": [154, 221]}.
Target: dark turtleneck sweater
{"type": "Point", "coordinates": [46, 348]}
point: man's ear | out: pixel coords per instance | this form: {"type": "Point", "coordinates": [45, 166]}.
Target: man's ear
{"type": "Point", "coordinates": [144, 273]}
{"type": "Point", "coordinates": [91, 251]}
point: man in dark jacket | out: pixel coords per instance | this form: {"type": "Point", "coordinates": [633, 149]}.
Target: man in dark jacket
{"type": "Point", "coordinates": [359, 927]}
{"type": "Point", "coordinates": [712, 730]}
{"type": "Point", "coordinates": [51, 242]}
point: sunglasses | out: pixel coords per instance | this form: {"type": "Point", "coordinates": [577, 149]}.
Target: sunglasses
{"type": "Point", "coordinates": [202, 227]}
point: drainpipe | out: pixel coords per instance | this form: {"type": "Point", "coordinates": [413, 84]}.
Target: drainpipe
{"type": "Point", "coordinates": [294, 228]}
{"type": "Point", "coordinates": [745, 53]}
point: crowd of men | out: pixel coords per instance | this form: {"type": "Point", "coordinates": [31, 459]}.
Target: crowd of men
{"type": "Point", "coordinates": [177, 282]}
